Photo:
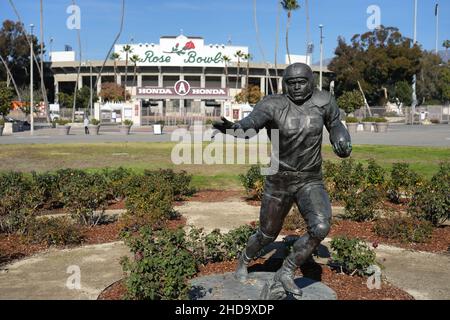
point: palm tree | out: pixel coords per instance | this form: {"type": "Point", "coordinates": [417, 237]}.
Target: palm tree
{"type": "Point", "coordinates": [127, 49]}
{"type": "Point", "coordinates": [239, 55]}
{"type": "Point", "coordinates": [43, 89]}
{"type": "Point", "coordinates": [226, 60]}
{"type": "Point", "coordinates": [135, 59]}
{"type": "Point", "coordinates": [289, 6]}
{"type": "Point", "coordinates": [115, 56]}
{"type": "Point", "coordinates": [248, 57]}
{"type": "Point", "coordinates": [276, 41]}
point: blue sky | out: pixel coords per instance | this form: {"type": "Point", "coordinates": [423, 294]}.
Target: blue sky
{"type": "Point", "coordinates": [218, 20]}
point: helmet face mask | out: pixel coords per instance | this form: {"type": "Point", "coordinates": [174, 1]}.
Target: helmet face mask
{"type": "Point", "coordinates": [298, 82]}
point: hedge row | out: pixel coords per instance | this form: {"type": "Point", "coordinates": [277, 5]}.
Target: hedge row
{"type": "Point", "coordinates": [363, 189]}
{"type": "Point", "coordinates": [148, 196]}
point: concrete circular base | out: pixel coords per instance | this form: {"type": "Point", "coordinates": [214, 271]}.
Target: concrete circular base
{"type": "Point", "coordinates": [226, 287]}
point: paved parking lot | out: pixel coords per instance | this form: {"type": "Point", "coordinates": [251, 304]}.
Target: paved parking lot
{"type": "Point", "coordinates": [398, 134]}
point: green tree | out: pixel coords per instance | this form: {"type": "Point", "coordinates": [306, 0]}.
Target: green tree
{"type": "Point", "coordinates": [6, 96]}
{"type": "Point", "coordinates": [350, 101]}
{"type": "Point", "coordinates": [378, 59]}
{"type": "Point", "coordinates": [135, 59]}
{"type": "Point", "coordinates": [238, 55]}
{"type": "Point", "coordinates": [289, 6]}
{"type": "Point", "coordinates": [428, 79]}
{"type": "Point", "coordinates": [115, 56]}
{"type": "Point", "coordinates": [403, 92]}
{"type": "Point", "coordinates": [127, 50]}
{"type": "Point", "coordinates": [444, 84]}
{"type": "Point", "coordinates": [15, 50]}
{"type": "Point", "coordinates": [226, 61]}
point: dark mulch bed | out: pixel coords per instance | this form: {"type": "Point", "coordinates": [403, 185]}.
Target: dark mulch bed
{"type": "Point", "coordinates": [346, 287]}
{"type": "Point", "coordinates": [214, 196]}
{"type": "Point", "coordinates": [439, 242]}
{"type": "Point", "coordinates": [14, 247]}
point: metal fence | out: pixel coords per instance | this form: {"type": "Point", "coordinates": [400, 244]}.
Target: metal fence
{"type": "Point", "coordinates": [434, 114]}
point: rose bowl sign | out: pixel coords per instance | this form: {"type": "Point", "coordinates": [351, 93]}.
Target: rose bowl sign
{"type": "Point", "coordinates": [182, 90]}
{"type": "Point", "coordinates": [181, 51]}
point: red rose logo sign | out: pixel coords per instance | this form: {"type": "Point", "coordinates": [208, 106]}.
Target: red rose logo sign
{"type": "Point", "coordinates": [188, 46]}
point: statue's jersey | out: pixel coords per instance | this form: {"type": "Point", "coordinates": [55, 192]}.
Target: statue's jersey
{"type": "Point", "coordinates": [300, 128]}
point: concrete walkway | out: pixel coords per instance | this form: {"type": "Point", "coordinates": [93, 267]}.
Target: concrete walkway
{"type": "Point", "coordinates": [45, 276]}
{"type": "Point", "coordinates": [54, 275]}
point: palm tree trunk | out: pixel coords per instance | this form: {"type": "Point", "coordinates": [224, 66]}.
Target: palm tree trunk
{"type": "Point", "coordinates": [115, 71]}
{"type": "Point", "coordinates": [276, 41]}
{"type": "Point", "coordinates": [78, 73]}
{"type": "Point", "coordinates": [134, 76]}
{"type": "Point", "coordinates": [287, 37]}
{"type": "Point", "coordinates": [126, 77]}
{"type": "Point", "coordinates": [246, 78]}
{"type": "Point", "coordinates": [122, 13]}
{"type": "Point", "coordinates": [12, 79]}
{"type": "Point", "coordinates": [258, 40]}
{"type": "Point", "coordinates": [238, 72]}
{"type": "Point", "coordinates": [43, 89]}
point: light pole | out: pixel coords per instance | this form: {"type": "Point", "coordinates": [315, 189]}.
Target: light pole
{"type": "Point", "coordinates": [414, 96]}
{"type": "Point", "coordinates": [31, 81]}
{"type": "Point", "coordinates": [321, 56]}
{"type": "Point", "coordinates": [436, 13]}
{"type": "Point", "coordinates": [90, 86]}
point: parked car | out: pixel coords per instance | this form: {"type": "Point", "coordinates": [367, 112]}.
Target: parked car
{"type": "Point", "coordinates": [18, 125]}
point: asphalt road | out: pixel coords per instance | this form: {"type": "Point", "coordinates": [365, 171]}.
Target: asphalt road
{"type": "Point", "coordinates": [398, 134]}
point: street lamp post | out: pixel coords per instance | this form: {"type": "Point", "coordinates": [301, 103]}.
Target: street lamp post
{"type": "Point", "coordinates": [414, 96]}
{"type": "Point", "coordinates": [31, 81]}
{"type": "Point", "coordinates": [90, 89]}
{"type": "Point", "coordinates": [321, 56]}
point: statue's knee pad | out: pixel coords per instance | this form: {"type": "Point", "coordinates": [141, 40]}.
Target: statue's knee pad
{"type": "Point", "coordinates": [320, 230]}
{"type": "Point", "coordinates": [263, 238]}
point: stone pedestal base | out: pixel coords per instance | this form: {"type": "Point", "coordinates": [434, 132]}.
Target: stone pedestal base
{"type": "Point", "coordinates": [226, 287]}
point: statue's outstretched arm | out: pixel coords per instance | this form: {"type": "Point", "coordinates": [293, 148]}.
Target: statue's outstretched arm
{"type": "Point", "coordinates": [339, 136]}
{"type": "Point", "coordinates": [256, 120]}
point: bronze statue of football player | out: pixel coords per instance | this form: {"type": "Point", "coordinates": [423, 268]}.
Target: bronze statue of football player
{"type": "Point", "coordinates": [299, 115]}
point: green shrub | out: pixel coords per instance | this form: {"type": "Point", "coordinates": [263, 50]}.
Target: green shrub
{"type": "Point", "coordinates": [47, 187]}
{"type": "Point", "coordinates": [178, 181]}
{"type": "Point", "coordinates": [369, 119]}
{"type": "Point", "coordinates": [352, 255]}
{"type": "Point", "coordinates": [2, 122]}
{"type": "Point", "coordinates": [375, 174]}
{"type": "Point", "coordinates": [148, 202]}
{"type": "Point", "coordinates": [362, 205]}
{"type": "Point", "coordinates": [128, 123]}
{"type": "Point", "coordinates": [378, 120]}
{"type": "Point", "coordinates": [95, 122]}
{"type": "Point", "coordinates": [348, 179]}
{"type": "Point", "coordinates": [431, 200]}
{"type": "Point", "coordinates": [402, 183]}
{"type": "Point", "coordinates": [19, 199]}
{"type": "Point", "coordinates": [161, 266]}
{"type": "Point", "coordinates": [350, 101]}
{"type": "Point", "coordinates": [218, 247]}
{"type": "Point", "coordinates": [351, 120]}
{"type": "Point", "coordinates": [253, 182]}
{"type": "Point", "coordinates": [82, 194]}
{"type": "Point", "coordinates": [117, 180]}
{"type": "Point", "coordinates": [405, 229]}
{"type": "Point", "coordinates": [62, 122]}
{"type": "Point", "coordinates": [54, 231]}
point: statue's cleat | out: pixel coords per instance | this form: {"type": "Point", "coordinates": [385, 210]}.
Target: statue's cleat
{"type": "Point", "coordinates": [241, 272]}
{"type": "Point", "coordinates": [285, 276]}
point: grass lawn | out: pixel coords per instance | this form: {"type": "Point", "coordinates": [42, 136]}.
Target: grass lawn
{"type": "Point", "coordinates": [140, 156]}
